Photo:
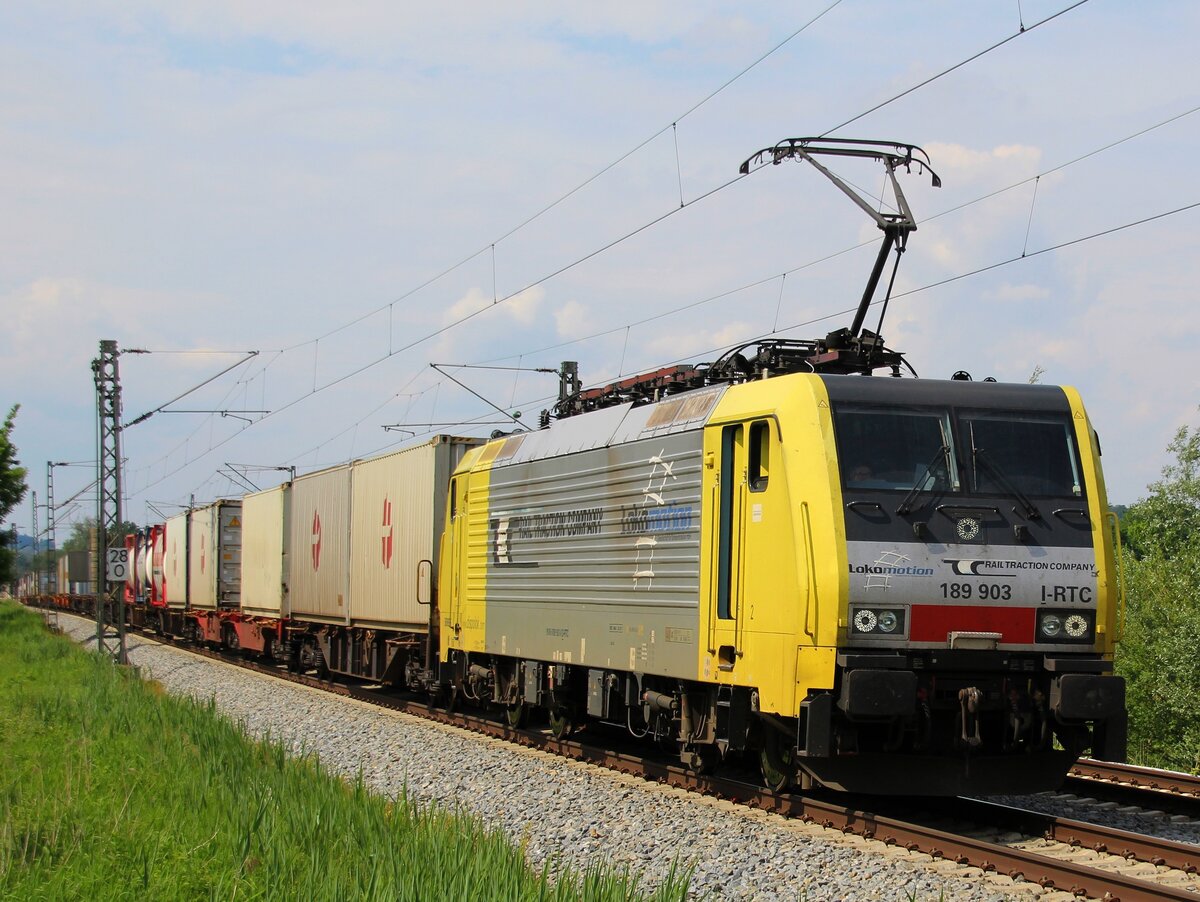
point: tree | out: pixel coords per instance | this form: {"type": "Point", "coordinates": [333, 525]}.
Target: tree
{"type": "Point", "coordinates": [80, 538]}
{"type": "Point", "coordinates": [1167, 521]}
{"type": "Point", "coordinates": [12, 491]}
{"type": "Point", "coordinates": [1158, 656]}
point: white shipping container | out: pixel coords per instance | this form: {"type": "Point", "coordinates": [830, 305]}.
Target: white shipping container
{"type": "Point", "coordinates": [202, 553]}
{"type": "Point", "coordinates": [264, 552]}
{"type": "Point", "coordinates": [175, 561]}
{"type": "Point", "coordinates": [319, 545]}
{"type": "Point", "coordinates": [215, 556]}
{"type": "Point", "coordinates": [397, 510]}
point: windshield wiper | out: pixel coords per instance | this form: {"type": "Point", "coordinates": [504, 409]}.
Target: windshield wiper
{"type": "Point", "coordinates": [906, 505]}
{"type": "Point", "coordinates": [979, 456]}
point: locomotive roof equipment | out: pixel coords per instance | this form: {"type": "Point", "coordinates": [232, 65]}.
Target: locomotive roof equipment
{"type": "Point", "coordinates": [852, 350]}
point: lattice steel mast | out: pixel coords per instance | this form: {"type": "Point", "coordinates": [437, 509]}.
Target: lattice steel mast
{"type": "Point", "coordinates": [52, 576]}
{"type": "Point", "coordinates": [110, 612]}
{"type": "Point", "coordinates": [37, 573]}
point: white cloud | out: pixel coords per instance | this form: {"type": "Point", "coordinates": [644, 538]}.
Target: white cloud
{"type": "Point", "coordinates": [523, 307]}
{"type": "Point", "coordinates": [964, 161]}
{"type": "Point", "coordinates": [1021, 292]}
{"type": "Point", "coordinates": [573, 320]}
{"type": "Point", "coordinates": [470, 303]}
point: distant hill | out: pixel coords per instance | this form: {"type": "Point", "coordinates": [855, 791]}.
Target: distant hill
{"type": "Point", "coordinates": [25, 544]}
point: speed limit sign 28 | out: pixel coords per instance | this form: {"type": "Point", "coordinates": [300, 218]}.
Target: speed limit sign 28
{"type": "Point", "coordinates": [117, 560]}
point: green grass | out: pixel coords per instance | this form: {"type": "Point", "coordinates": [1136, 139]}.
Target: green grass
{"type": "Point", "coordinates": [111, 789]}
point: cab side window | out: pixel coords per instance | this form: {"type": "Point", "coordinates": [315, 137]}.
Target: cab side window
{"type": "Point", "coordinates": [759, 463]}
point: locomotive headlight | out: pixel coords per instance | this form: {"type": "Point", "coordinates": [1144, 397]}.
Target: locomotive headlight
{"type": "Point", "coordinates": [865, 620]}
{"type": "Point", "coordinates": [1076, 626]}
{"type": "Point", "coordinates": [877, 623]}
{"type": "Point", "coordinates": [1066, 626]}
{"type": "Point", "coordinates": [1052, 625]}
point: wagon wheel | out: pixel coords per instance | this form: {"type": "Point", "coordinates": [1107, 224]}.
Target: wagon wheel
{"type": "Point", "coordinates": [777, 761]}
{"type": "Point", "coordinates": [515, 715]}
{"type": "Point", "coordinates": [561, 724]}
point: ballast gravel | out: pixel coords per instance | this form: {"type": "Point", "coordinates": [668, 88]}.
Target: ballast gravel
{"type": "Point", "coordinates": [564, 811]}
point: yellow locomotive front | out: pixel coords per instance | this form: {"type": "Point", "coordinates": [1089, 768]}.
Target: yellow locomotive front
{"type": "Point", "coordinates": [938, 557]}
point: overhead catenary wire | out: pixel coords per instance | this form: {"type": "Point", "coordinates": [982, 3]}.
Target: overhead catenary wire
{"type": "Point", "coordinates": [831, 315]}
{"type": "Point", "coordinates": [862, 244]}
{"type": "Point", "coordinates": [392, 351]}
{"type": "Point", "coordinates": [970, 59]}
{"type": "Point", "coordinates": [760, 282]}
{"type": "Point", "coordinates": [658, 219]}
{"type": "Point", "coordinates": [626, 328]}
{"type": "Point", "coordinates": [572, 192]}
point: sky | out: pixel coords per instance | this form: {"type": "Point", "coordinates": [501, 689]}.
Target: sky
{"type": "Point", "coordinates": [357, 191]}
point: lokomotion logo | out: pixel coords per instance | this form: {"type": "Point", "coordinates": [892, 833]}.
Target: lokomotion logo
{"type": "Point", "coordinates": [386, 534]}
{"type": "Point", "coordinates": [316, 541]}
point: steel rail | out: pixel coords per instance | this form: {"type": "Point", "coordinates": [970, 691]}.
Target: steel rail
{"type": "Point", "coordinates": [1155, 850]}
{"type": "Point", "coordinates": [1144, 777]}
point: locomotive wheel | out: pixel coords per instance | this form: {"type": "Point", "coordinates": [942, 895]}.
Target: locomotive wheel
{"type": "Point", "coordinates": [777, 762]}
{"type": "Point", "coordinates": [561, 724]}
{"type": "Point", "coordinates": [515, 715]}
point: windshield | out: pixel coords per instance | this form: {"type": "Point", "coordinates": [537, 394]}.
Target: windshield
{"type": "Point", "coordinates": [895, 449]}
{"type": "Point", "coordinates": [1037, 456]}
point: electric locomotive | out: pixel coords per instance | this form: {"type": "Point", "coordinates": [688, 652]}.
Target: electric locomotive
{"type": "Point", "coordinates": [883, 585]}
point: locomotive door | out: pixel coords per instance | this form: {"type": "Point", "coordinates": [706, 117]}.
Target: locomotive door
{"type": "Point", "coordinates": [744, 561]}
{"type": "Point", "coordinates": [454, 562]}
{"type": "Point", "coordinates": [730, 491]}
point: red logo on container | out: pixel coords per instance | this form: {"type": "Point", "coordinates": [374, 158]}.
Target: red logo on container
{"type": "Point", "coordinates": [201, 560]}
{"type": "Point", "coordinates": [386, 534]}
{"type": "Point", "coordinates": [316, 541]}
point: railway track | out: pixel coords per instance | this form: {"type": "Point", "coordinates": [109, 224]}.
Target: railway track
{"type": "Point", "coordinates": [1054, 852]}
{"type": "Point", "coordinates": [1144, 788]}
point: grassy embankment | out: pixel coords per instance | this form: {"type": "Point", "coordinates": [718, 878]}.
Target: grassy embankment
{"type": "Point", "coordinates": [111, 789]}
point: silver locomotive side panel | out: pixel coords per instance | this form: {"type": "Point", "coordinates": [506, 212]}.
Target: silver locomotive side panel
{"type": "Point", "coordinates": [594, 556]}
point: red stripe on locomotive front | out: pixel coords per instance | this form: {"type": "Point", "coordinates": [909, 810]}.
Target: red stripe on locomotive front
{"type": "Point", "coordinates": [935, 622]}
